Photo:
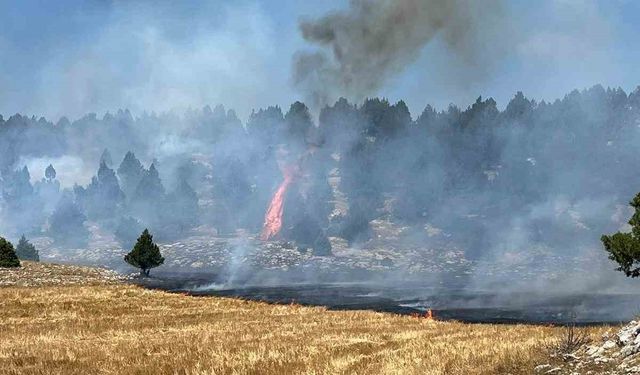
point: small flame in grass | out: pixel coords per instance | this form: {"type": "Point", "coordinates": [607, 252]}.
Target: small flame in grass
{"type": "Point", "coordinates": [428, 315]}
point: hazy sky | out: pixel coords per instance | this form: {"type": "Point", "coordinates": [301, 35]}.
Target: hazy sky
{"type": "Point", "coordinates": [72, 57]}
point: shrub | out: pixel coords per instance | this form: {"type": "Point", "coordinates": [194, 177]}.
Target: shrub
{"type": "Point", "coordinates": [8, 257]}
{"type": "Point", "coordinates": [624, 248]}
{"type": "Point", "coordinates": [26, 251]}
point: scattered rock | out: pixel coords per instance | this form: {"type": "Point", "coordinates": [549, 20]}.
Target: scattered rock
{"type": "Point", "coordinates": [608, 345]}
{"type": "Point", "coordinates": [541, 368]}
{"type": "Point", "coordinates": [616, 354]}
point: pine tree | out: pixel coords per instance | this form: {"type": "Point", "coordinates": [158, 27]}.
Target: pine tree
{"type": "Point", "coordinates": [340, 125]}
{"type": "Point", "coordinates": [266, 125]}
{"type": "Point", "coordinates": [145, 254]}
{"type": "Point", "coordinates": [298, 124]}
{"type": "Point", "coordinates": [50, 173]}
{"type": "Point", "coordinates": [150, 186]}
{"type": "Point", "coordinates": [181, 211]}
{"type": "Point", "coordinates": [18, 187]}
{"type": "Point", "coordinates": [103, 198]}
{"type": "Point", "coordinates": [26, 251]}
{"type": "Point", "coordinates": [147, 201]}
{"type": "Point", "coordinates": [48, 190]}
{"type": "Point", "coordinates": [130, 172]}
{"type": "Point", "coordinates": [233, 188]}
{"type": "Point", "coordinates": [8, 256]}
{"type": "Point", "coordinates": [624, 248]}
{"type": "Point", "coordinates": [66, 224]}
{"type": "Point", "coordinates": [109, 182]}
{"type": "Point", "coordinates": [22, 201]}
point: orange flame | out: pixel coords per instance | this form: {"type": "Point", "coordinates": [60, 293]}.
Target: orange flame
{"type": "Point", "coordinates": [428, 315]}
{"type": "Point", "coordinates": [273, 217]}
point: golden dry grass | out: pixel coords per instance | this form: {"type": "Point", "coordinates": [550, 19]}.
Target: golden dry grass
{"type": "Point", "coordinates": [123, 329]}
{"type": "Point", "coordinates": [51, 274]}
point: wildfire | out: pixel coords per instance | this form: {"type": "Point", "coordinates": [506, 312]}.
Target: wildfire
{"type": "Point", "coordinates": [428, 315]}
{"type": "Point", "coordinates": [273, 217]}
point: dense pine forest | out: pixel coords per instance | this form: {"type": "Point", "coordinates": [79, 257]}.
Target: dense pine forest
{"type": "Point", "coordinates": [553, 173]}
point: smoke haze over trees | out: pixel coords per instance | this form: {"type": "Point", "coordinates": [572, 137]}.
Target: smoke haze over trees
{"type": "Point", "coordinates": [534, 174]}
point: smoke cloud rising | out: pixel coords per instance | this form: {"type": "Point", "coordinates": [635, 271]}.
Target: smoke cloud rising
{"type": "Point", "coordinates": [374, 40]}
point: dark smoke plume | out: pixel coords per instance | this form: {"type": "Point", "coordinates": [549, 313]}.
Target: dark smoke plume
{"type": "Point", "coordinates": [374, 40]}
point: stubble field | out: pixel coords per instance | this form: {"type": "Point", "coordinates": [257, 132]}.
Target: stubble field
{"type": "Point", "coordinates": [115, 328]}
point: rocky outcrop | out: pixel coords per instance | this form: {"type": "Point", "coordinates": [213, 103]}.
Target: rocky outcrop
{"type": "Point", "coordinates": [616, 354]}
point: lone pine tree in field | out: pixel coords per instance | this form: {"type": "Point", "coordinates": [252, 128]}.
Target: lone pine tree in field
{"type": "Point", "coordinates": [26, 251]}
{"type": "Point", "coordinates": [8, 257]}
{"type": "Point", "coordinates": [624, 248]}
{"type": "Point", "coordinates": [145, 254]}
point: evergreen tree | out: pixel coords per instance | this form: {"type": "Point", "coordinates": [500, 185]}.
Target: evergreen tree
{"type": "Point", "coordinates": [22, 202]}
{"type": "Point", "coordinates": [18, 186]}
{"type": "Point", "coordinates": [302, 224]}
{"type": "Point", "coordinates": [109, 181]}
{"type": "Point", "coordinates": [395, 120]}
{"type": "Point", "coordinates": [374, 112]}
{"type": "Point", "coordinates": [148, 198]}
{"type": "Point", "coordinates": [26, 251]}
{"type": "Point", "coordinates": [150, 186]}
{"type": "Point", "coordinates": [103, 198]}
{"type": "Point", "coordinates": [50, 173]}
{"type": "Point", "coordinates": [66, 224]}
{"type": "Point", "coordinates": [298, 124]}
{"type": "Point", "coordinates": [181, 209]}
{"type": "Point", "coordinates": [624, 248]}
{"type": "Point", "coordinates": [216, 125]}
{"type": "Point", "coordinates": [265, 126]}
{"type": "Point", "coordinates": [48, 192]}
{"type": "Point", "coordinates": [519, 108]}
{"type": "Point", "coordinates": [130, 172]}
{"type": "Point", "coordinates": [8, 256]}
{"type": "Point", "coordinates": [233, 189]}
{"type": "Point", "coordinates": [145, 254]}
{"type": "Point", "coordinates": [361, 183]}
{"type": "Point", "coordinates": [340, 125]}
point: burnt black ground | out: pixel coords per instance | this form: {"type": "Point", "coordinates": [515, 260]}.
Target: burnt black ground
{"type": "Point", "coordinates": [447, 303]}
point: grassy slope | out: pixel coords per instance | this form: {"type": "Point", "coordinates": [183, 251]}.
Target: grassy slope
{"type": "Point", "coordinates": [121, 329]}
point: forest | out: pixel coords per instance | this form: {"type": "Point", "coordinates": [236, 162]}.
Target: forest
{"type": "Point", "coordinates": [552, 173]}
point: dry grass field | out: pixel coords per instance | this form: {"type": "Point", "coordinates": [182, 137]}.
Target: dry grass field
{"type": "Point", "coordinates": [35, 274]}
{"type": "Point", "coordinates": [124, 329]}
